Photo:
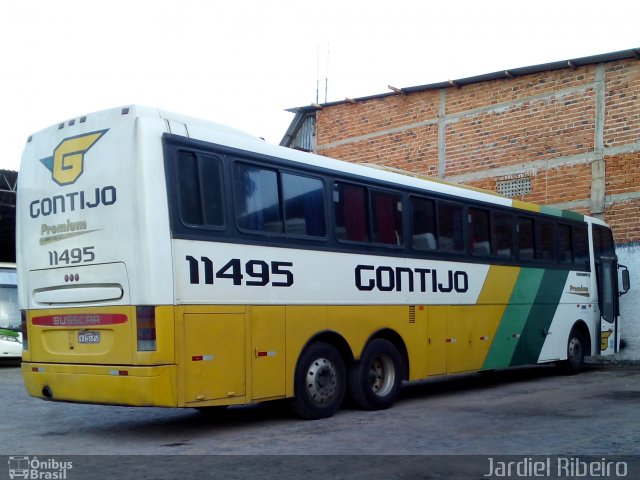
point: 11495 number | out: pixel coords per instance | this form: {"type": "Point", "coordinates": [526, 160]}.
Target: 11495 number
{"type": "Point", "coordinates": [253, 273]}
{"type": "Point", "coordinates": [72, 256]}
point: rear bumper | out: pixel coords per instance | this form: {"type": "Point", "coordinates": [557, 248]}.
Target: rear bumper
{"type": "Point", "coordinates": [154, 386]}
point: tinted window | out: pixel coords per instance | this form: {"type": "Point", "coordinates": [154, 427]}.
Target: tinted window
{"type": "Point", "coordinates": [565, 249]}
{"type": "Point", "coordinates": [350, 209]}
{"type": "Point", "coordinates": [199, 189]}
{"type": "Point", "coordinates": [479, 232]}
{"type": "Point", "coordinates": [423, 224]}
{"type": "Point", "coordinates": [303, 205]}
{"type": "Point", "coordinates": [256, 199]}
{"type": "Point", "coordinates": [544, 240]}
{"type": "Point", "coordinates": [602, 242]}
{"type": "Point", "coordinates": [450, 227]}
{"type": "Point", "coordinates": [386, 209]}
{"type": "Point", "coordinates": [580, 240]}
{"type": "Point", "coordinates": [525, 238]}
{"type": "Point", "coordinates": [501, 234]}
{"type": "Point", "coordinates": [9, 311]}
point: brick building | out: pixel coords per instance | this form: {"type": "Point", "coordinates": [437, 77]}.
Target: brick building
{"type": "Point", "coordinates": [565, 134]}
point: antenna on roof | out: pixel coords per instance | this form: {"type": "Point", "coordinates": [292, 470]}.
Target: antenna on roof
{"type": "Point", "coordinates": [317, 73]}
{"type": "Point", "coordinates": [326, 78]}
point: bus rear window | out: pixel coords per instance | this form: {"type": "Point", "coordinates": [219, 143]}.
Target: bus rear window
{"type": "Point", "coordinates": [199, 188]}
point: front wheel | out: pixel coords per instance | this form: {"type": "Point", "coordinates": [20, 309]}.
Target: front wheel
{"type": "Point", "coordinates": [319, 383]}
{"type": "Point", "coordinates": [575, 353]}
{"type": "Point", "coordinates": [375, 381]}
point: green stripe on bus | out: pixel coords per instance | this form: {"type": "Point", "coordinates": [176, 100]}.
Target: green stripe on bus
{"type": "Point", "coordinates": [561, 213]}
{"type": "Point", "coordinates": [514, 318]}
{"type": "Point", "coordinates": [572, 215]}
{"type": "Point", "coordinates": [542, 312]}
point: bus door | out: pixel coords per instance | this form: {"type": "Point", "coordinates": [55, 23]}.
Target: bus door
{"type": "Point", "coordinates": [607, 277]}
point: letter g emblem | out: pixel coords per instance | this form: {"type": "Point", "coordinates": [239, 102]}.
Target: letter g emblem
{"type": "Point", "coordinates": [67, 162]}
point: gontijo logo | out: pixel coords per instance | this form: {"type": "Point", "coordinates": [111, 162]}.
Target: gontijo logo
{"type": "Point", "coordinates": [67, 162]}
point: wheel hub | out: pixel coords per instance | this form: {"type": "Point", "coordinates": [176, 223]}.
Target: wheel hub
{"type": "Point", "coordinates": [321, 381]}
{"type": "Point", "coordinates": [382, 375]}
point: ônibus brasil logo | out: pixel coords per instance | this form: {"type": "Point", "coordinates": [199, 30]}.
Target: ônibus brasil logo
{"type": "Point", "coordinates": [67, 162]}
{"type": "Point", "coordinates": [34, 468]}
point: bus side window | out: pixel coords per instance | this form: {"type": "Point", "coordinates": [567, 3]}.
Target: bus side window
{"type": "Point", "coordinates": [565, 248]}
{"type": "Point", "coordinates": [350, 208]}
{"type": "Point", "coordinates": [525, 238]}
{"type": "Point", "coordinates": [501, 234]}
{"type": "Point", "coordinates": [386, 209]}
{"type": "Point", "coordinates": [580, 241]}
{"type": "Point", "coordinates": [450, 228]}
{"type": "Point", "coordinates": [257, 199]}
{"type": "Point", "coordinates": [544, 240]}
{"type": "Point", "coordinates": [200, 192]}
{"type": "Point", "coordinates": [303, 205]}
{"type": "Point", "coordinates": [479, 232]}
{"type": "Point", "coordinates": [423, 224]}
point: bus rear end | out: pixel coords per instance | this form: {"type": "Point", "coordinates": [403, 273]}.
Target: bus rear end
{"type": "Point", "coordinates": [98, 324]}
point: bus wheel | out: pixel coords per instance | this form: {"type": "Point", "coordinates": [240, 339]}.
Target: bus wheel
{"type": "Point", "coordinates": [319, 382]}
{"type": "Point", "coordinates": [575, 353]}
{"type": "Point", "coordinates": [375, 381]}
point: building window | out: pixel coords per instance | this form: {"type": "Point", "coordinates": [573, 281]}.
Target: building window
{"type": "Point", "coordinates": [516, 187]}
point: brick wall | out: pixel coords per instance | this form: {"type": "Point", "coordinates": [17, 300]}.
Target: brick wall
{"type": "Point", "coordinates": [558, 128]}
{"type": "Point", "coordinates": [574, 133]}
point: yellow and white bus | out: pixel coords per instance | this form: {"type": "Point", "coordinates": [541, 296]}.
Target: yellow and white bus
{"type": "Point", "coordinates": [168, 261]}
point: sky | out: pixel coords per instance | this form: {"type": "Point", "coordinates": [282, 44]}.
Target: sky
{"type": "Point", "coordinates": [243, 63]}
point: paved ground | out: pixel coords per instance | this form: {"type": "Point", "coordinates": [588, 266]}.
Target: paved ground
{"type": "Point", "coordinates": [522, 412]}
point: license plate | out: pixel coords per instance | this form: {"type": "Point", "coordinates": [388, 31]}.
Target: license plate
{"type": "Point", "coordinates": [88, 337]}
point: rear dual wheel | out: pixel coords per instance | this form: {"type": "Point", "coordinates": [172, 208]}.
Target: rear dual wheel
{"type": "Point", "coordinates": [375, 380]}
{"type": "Point", "coordinates": [320, 379]}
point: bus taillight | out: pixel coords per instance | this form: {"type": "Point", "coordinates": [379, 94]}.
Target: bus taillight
{"type": "Point", "coordinates": [23, 327]}
{"type": "Point", "coordinates": [146, 321]}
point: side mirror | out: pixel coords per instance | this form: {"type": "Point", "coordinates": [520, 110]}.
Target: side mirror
{"type": "Point", "coordinates": [626, 282]}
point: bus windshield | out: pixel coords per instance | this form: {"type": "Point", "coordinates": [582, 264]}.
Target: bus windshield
{"type": "Point", "coordinates": [9, 311]}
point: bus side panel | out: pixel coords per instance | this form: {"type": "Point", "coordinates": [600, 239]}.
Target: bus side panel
{"type": "Point", "coordinates": [267, 353]}
{"type": "Point", "coordinates": [514, 319]}
{"type": "Point", "coordinates": [358, 324]}
{"type": "Point", "coordinates": [576, 305]}
{"type": "Point", "coordinates": [538, 324]}
{"type": "Point", "coordinates": [213, 354]}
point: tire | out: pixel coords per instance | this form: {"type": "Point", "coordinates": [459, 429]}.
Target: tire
{"type": "Point", "coordinates": [319, 382]}
{"type": "Point", "coordinates": [375, 380]}
{"type": "Point", "coordinates": [575, 353]}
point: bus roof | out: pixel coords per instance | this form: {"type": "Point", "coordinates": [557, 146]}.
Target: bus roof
{"type": "Point", "coordinates": [207, 131]}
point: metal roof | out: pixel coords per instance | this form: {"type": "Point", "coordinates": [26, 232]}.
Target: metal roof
{"type": "Point", "coordinates": [8, 184]}
{"type": "Point", "coordinates": [504, 74]}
